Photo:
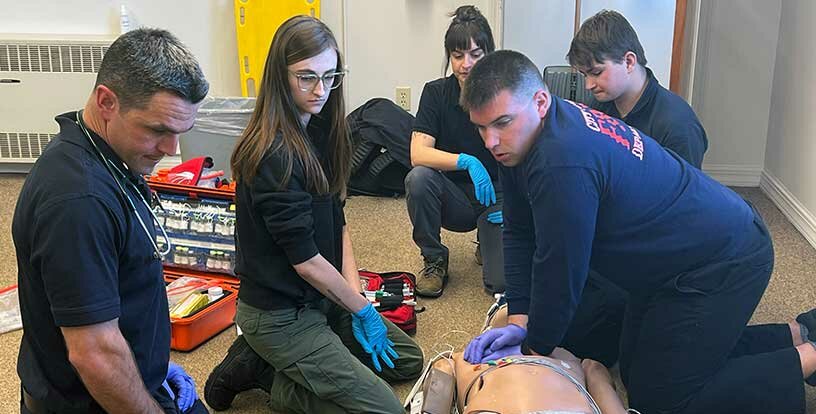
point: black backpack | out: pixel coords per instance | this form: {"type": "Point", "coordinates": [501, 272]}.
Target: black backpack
{"type": "Point", "coordinates": [380, 139]}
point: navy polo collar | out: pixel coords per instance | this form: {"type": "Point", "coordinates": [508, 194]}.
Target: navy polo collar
{"type": "Point", "coordinates": [68, 122]}
{"type": "Point", "coordinates": [648, 95]}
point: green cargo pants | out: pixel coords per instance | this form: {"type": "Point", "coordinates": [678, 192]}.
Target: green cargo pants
{"type": "Point", "coordinates": [320, 367]}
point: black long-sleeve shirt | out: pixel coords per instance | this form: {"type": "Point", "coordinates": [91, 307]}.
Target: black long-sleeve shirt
{"type": "Point", "coordinates": [277, 228]}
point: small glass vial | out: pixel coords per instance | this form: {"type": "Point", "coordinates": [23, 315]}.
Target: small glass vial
{"type": "Point", "coordinates": [177, 255]}
{"type": "Point", "coordinates": [228, 262]}
{"type": "Point", "coordinates": [210, 260]}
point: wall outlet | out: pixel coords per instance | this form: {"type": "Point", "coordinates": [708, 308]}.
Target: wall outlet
{"type": "Point", "coordinates": [403, 97]}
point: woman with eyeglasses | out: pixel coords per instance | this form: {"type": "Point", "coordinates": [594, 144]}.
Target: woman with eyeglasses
{"type": "Point", "coordinates": [300, 308]}
{"type": "Point", "coordinates": [454, 182]}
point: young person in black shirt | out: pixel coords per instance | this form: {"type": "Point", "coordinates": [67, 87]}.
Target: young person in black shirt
{"type": "Point", "coordinates": [453, 183]}
{"type": "Point", "coordinates": [607, 51]}
{"type": "Point", "coordinates": [300, 307]}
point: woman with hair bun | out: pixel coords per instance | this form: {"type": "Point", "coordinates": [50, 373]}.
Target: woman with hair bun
{"type": "Point", "coordinates": [454, 182]}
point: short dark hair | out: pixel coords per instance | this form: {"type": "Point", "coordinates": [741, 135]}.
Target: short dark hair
{"type": "Point", "coordinates": [605, 36]}
{"type": "Point", "coordinates": [467, 23]}
{"type": "Point", "coordinates": [498, 71]}
{"type": "Point", "coordinates": [144, 61]}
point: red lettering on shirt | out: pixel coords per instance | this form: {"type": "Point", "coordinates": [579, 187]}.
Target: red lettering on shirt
{"type": "Point", "coordinates": [609, 126]}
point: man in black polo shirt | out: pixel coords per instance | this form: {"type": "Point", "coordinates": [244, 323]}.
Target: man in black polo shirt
{"type": "Point", "coordinates": [93, 303]}
{"type": "Point", "coordinates": [607, 51]}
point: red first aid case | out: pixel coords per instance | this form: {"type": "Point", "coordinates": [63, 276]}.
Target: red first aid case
{"type": "Point", "coordinates": [399, 306]}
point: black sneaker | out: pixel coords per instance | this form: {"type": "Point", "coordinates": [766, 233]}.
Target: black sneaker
{"type": "Point", "coordinates": [241, 370]}
{"type": "Point", "coordinates": [808, 320]}
{"type": "Point", "coordinates": [432, 278]}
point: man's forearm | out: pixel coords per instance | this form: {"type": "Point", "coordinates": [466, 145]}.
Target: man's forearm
{"type": "Point", "coordinates": [117, 386]}
{"type": "Point", "coordinates": [105, 363]}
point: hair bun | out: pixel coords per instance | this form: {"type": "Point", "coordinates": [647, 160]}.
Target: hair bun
{"type": "Point", "coordinates": [465, 14]}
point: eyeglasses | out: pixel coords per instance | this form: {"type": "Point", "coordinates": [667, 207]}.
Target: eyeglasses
{"type": "Point", "coordinates": [308, 81]}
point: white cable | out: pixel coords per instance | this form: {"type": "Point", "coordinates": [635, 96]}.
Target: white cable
{"type": "Point", "coordinates": [437, 355]}
{"type": "Point", "coordinates": [421, 379]}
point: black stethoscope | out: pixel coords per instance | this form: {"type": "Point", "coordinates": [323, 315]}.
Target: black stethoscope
{"type": "Point", "coordinates": [111, 167]}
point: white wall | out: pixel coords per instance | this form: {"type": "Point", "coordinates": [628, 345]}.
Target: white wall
{"type": "Point", "coordinates": [790, 156]}
{"type": "Point", "coordinates": [542, 29]}
{"type": "Point", "coordinates": [390, 43]}
{"type": "Point", "coordinates": [207, 27]}
{"type": "Point", "coordinates": [732, 86]}
{"type": "Point", "coordinates": [395, 43]}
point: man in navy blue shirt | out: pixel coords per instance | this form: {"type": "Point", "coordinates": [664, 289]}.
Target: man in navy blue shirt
{"type": "Point", "coordinates": [583, 189]}
{"type": "Point", "coordinates": [607, 51]}
{"type": "Point", "coordinates": [92, 296]}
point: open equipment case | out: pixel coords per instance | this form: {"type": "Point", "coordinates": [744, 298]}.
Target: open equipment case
{"type": "Point", "coordinates": [200, 223]}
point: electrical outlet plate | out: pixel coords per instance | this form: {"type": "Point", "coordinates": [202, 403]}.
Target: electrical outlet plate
{"type": "Point", "coordinates": [403, 97]}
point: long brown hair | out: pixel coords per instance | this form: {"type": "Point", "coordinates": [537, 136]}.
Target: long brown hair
{"type": "Point", "coordinates": [298, 38]}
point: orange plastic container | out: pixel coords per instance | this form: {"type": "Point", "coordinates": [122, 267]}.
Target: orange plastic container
{"type": "Point", "coordinates": [188, 333]}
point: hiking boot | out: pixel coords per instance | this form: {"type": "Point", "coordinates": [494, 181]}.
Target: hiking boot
{"type": "Point", "coordinates": [241, 370]}
{"type": "Point", "coordinates": [432, 278]}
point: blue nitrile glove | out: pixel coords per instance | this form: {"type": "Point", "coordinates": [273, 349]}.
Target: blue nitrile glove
{"type": "Point", "coordinates": [504, 352]}
{"type": "Point", "coordinates": [481, 179]}
{"type": "Point", "coordinates": [495, 217]}
{"type": "Point", "coordinates": [494, 343]}
{"type": "Point", "coordinates": [370, 331]}
{"type": "Point", "coordinates": [182, 385]}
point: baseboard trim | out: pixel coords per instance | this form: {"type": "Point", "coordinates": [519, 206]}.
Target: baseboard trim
{"type": "Point", "coordinates": [734, 175]}
{"type": "Point", "coordinates": [791, 207]}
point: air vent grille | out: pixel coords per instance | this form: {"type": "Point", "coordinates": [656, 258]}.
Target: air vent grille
{"type": "Point", "coordinates": [27, 57]}
{"type": "Point", "coordinates": [23, 145]}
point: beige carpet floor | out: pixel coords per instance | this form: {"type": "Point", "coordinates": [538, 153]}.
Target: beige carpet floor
{"type": "Point", "coordinates": [382, 242]}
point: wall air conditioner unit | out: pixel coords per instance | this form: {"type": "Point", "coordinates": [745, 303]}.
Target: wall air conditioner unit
{"type": "Point", "coordinates": [41, 76]}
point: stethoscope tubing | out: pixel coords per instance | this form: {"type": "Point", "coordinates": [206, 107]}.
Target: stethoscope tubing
{"type": "Point", "coordinates": [157, 253]}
